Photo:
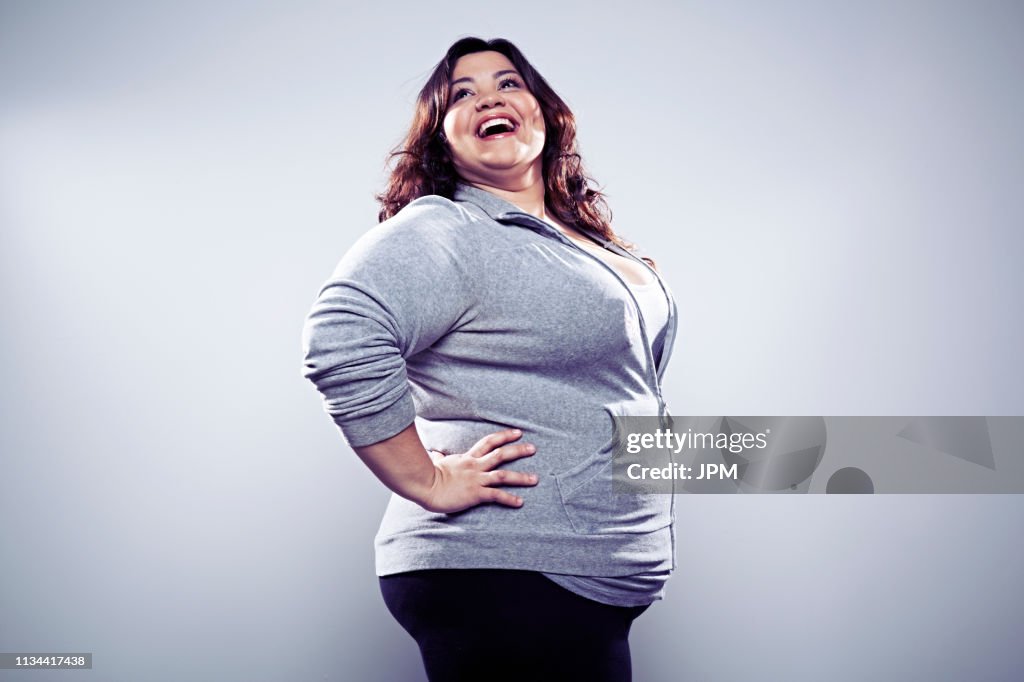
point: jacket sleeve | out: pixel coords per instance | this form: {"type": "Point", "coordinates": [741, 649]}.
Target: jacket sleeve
{"type": "Point", "coordinates": [399, 289]}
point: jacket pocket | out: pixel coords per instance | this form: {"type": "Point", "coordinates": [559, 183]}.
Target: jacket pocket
{"type": "Point", "coordinates": [589, 498]}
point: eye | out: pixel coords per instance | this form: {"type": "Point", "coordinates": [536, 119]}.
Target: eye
{"type": "Point", "coordinates": [459, 94]}
{"type": "Point", "coordinates": [509, 81]}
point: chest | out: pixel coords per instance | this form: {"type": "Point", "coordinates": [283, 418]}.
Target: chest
{"type": "Point", "coordinates": [627, 268]}
{"type": "Point", "coordinates": [544, 303]}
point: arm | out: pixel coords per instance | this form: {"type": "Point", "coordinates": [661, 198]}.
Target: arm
{"type": "Point", "coordinates": [398, 290]}
{"type": "Point", "coordinates": [401, 288]}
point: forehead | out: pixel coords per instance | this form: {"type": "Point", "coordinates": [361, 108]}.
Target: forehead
{"type": "Point", "coordinates": [481, 65]}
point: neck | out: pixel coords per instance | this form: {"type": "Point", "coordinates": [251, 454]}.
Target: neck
{"type": "Point", "coordinates": [528, 198]}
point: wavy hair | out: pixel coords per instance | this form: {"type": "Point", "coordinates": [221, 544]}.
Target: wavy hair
{"type": "Point", "coordinates": [422, 163]}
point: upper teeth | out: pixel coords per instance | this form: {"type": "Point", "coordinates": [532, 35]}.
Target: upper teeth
{"type": "Point", "coordinates": [493, 122]}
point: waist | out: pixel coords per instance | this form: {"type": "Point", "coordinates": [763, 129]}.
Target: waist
{"type": "Point", "coordinates": [403, 544]}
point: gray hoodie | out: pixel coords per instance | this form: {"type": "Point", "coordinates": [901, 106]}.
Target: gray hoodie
{"type": "Point", "coordinates": [471, 316]}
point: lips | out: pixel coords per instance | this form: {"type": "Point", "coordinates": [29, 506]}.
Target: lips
{"type": "Point", "coordinates": [495, 125]}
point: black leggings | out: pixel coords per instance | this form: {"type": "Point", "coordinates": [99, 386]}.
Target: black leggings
{"type": "Point", "coordinates": [490, 625]}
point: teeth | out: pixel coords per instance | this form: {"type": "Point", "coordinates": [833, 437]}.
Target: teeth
{"type": "Point", "coordinates": [494, 122]}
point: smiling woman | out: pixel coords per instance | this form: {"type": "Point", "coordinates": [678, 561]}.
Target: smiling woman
{"type": "Point", "coordinates": [494, 125]}
{"type": "Point", "coordinates": [493, 316]}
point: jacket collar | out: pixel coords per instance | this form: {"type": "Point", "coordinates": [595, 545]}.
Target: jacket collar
{"type": "Point", "coordinates": [504, 211]}
{"type": "Point", "coordinates": [493, 205]}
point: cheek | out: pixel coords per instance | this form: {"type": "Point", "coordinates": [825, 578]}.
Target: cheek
{"type": "Point", "coordinates": [448, 126]}
{"type": "Point", "coordinates": [456, 129]}
{"type": "Point", "coordinates": [453, 131]}
{"type": "Point", "coordinates": [538, 118]}
{"type": "Point", "coordinates": [539, 129]}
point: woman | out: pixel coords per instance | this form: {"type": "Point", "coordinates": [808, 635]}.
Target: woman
{"type": "Point", "coordinates": [493, 316]}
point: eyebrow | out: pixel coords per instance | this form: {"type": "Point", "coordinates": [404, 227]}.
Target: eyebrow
{"type": "Point", "coordinates": [497, 74]}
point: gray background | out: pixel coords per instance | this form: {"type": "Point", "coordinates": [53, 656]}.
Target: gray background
{"type": "Point", "coordinates": [828, 187]}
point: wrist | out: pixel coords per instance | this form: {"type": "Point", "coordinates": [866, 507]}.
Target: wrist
{"type": "Point", "coordinates": [404, 465]}
{"type": "Point", "coordinates": [419, 488]}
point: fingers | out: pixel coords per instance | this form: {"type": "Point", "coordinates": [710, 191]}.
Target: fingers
{"type": "Point", "coordinates": [493, 440]}
{"type": "Point", "coordinates": [506, 453]}
{"type": "Point", "coordinates": [497, 477]}
{"type": "Point", "coordinates": [506, 477]}
{"type": "Point", "coordinates": [501, 497]}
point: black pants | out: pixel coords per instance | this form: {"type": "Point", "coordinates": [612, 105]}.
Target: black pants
{"type": "Point", "coordinates": [489, 625]}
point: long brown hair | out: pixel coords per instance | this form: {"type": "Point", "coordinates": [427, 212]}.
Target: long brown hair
{"type": "Point", "coordinates": [423, 164]}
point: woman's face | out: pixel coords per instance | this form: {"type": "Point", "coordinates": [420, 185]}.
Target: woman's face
{"type": "Point", "coordinates": [494, 125]}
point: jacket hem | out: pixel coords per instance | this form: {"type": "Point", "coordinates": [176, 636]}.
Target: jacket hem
{"type": "Point", "coordinates": [605, 555]}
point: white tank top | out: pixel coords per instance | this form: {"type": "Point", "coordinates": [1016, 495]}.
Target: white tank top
{"type": "Point", "coordinates": [654, 307]}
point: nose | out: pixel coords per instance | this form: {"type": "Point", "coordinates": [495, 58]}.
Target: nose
{"type": "Point", "coordinates": [489, 101]}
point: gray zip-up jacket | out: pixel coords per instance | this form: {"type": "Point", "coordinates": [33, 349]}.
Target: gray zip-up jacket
{"type": "Point", "coordinates": [471, 316]}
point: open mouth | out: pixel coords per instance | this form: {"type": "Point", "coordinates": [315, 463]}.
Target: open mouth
{"type": "Point", "coordinates": [495, 126]}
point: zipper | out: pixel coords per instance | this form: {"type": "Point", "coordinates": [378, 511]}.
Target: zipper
{"type": "Point", "coordinates": [653, 369]}
{"type": "Point", "coordinates": [670, 334]}
{"type": "Point", "coordinates": [664, 418]}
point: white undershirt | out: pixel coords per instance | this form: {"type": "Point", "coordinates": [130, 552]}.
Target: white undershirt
{"type": "Point", "coordinates": [654, 307]}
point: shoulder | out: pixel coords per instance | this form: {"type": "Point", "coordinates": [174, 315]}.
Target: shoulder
{"type": "Point", "coordinates": [431, 214]}
{"type": "Point", "coordinates": [434, 222]}
{"type": "Point", "coordinates": [429, 231]}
